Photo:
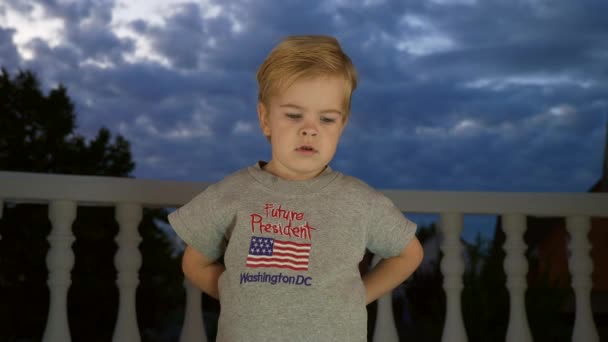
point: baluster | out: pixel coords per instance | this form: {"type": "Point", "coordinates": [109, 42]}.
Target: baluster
{"type": "Point", "coordinates": [1, 209]}
{"type": "Point", "coordinates": [128, 262]}
{"type": "Point", "coordinates": [385, 329]}
{"type": "Point", "coordinates": [452, 267]}
{"type": "Point", "coordinates": [516, 268]}
{"type": "Point", "coordinates": [193, 328]}
{"type": "Point", "coordinates": [59, 260]}
{"type": "Point", "coordinates": [581, 267]}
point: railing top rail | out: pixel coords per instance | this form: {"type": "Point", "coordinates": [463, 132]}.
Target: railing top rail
{"type": "Point", "coordinates": [492, 203]}
{"type": "Point", "coordinates": [97, 190]}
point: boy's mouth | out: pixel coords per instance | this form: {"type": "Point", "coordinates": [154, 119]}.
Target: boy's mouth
{"type": "Point", "coordinates": [306, 148]}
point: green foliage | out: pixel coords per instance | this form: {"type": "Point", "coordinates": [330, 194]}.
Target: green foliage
{"type": "Point", "coordinates": [425, 298]}
{"type": "Point", "coordinates": [23, 291]}
{"type": "Point", "coordinates": [37, 135]}
{"type": "Point", "coordinates": [545, 301]}
{"type": "Point", "coordinates": [485, 298]}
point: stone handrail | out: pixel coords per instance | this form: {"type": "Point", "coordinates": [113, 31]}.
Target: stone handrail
{"type": "Point", "coordinates": [129, 196]}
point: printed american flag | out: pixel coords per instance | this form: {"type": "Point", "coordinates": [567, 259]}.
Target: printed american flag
{"type": "Point", "coordinates": [269, 252]}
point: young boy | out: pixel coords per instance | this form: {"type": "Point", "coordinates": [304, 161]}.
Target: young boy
{"type": "Point", "coordinates": [293, 231]}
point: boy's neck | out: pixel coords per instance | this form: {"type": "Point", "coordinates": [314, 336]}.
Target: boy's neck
{"type": "Point", "coordinates": [268, 167]}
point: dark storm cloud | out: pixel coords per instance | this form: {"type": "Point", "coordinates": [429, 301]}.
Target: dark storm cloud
{"type": "Point", "coordinates": [19, 6]}
{"type": "Point", "coordinates": [182, 38]}
{"type": "Point", "coordinates": [510, 47]}
{"type": "Point", "coordinates": [9, 56]}
{"type": "Point", "coordinates": [95, 41]}
{"type": "Point", "coordinates": [86, 27]}
{"type": "Point", "coordinates": [54, 64]}
{"type": "Point", "coordinates": [75, 12]}
{"type": "Point", "coordinates": [241, 36]}
{"type": "Point", "coordinates": [486, 96]}
{"type": "Point", "coordinates": [520, 40]}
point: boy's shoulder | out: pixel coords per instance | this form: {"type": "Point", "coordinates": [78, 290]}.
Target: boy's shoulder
{"type": "Point", "coordinates": [353, 186]}
{"type": "Point", "coordinates": [232, 182]}
{"type": "Point", "coordinates": [225, 190]}
{"type": "Point", "coordinates": [237, 177]}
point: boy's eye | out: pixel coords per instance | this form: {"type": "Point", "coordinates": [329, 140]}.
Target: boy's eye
{"type": "Point", "coordinates": [326, 119]}
{"type": "Point", "coordinates": [293, 115]}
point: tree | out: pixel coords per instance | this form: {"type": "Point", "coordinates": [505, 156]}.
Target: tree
{"type": "Point", "coordinates": [37, 135]}
{"type": "Point", "coordinates": [485, 298]}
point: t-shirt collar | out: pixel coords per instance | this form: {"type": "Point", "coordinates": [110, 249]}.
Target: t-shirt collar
{"type": "Point", "coordinates": [294, 187]}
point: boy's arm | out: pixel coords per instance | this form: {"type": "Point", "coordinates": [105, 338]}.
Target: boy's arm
{"type": "Point", "coordinates": [391, 272]}
{"type": "Point", "coordinates": [201, 271]}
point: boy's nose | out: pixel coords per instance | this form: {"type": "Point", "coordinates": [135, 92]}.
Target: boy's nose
{"type": "Point", "coordinates": [308, 131]}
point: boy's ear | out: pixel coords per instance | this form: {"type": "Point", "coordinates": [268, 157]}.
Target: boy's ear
{"type": "Point", "coordinates": [263, 117]}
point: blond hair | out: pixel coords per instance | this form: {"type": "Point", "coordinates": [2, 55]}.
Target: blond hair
{"type": "Point", "coordinates": [299, 57]}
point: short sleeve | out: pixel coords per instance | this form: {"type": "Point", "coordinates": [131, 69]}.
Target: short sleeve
{"type": "Point", "coordinates": [389, 231]}
{"type": "Point", "coordinates": [203, 221]}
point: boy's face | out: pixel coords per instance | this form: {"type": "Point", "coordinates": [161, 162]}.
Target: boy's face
{"type": "Point", "coordinates": [304, 123]}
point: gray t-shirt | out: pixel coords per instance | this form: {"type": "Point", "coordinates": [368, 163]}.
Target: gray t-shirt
{"type": "Point", "coordinates": [291, 250]}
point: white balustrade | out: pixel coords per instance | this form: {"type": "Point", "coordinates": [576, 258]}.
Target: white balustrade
{"type": "Point", "coordinates": [59, 260]}
{"type": "Point", "coordinates": [452, 267]}
{"type": "Point", "coordinates": [23, 187]}
{"type": "Point", "coordinates": [581, 267]}
{"type": "Point", "coordinates": [516, 269]}
{"type": "Point", "coordinates": [1, 209]}
{"type": "Point", "coordinates": [385, 329]}
{"type": "Point", "coordinates": [128, 262]}
{"type": "Point", "coordinates": [193, 329]}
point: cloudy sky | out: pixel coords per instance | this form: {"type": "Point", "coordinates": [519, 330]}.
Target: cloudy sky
{"type": "Point", "coordinates": [483, 95]}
